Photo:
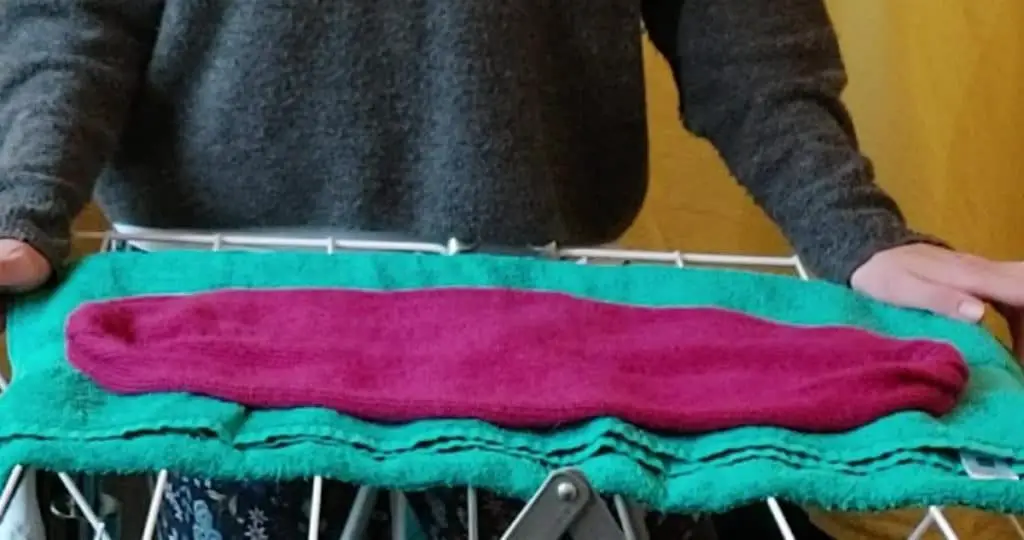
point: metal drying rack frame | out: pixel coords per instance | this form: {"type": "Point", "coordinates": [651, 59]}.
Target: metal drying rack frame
{"type": "Point", "coordinates": [563, 505]}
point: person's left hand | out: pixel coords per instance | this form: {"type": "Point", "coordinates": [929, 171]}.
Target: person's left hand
{"type": "Point", "coordinates": [946, 282]}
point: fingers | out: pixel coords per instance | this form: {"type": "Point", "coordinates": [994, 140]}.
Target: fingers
{"type": "Point", "coordinates": [1005, 283]}
{"type": "Point", "coordinates": [912, 291]}
{"type": "Point", "coordinates": [945, 282]}
{"type": "Point", "coordinates": [999, 282]}
{"type": "Point", "coordinates": [17, 277]}
{"type": "Point", "coordinates": [21, 267]}
{"type": "Point", "coordinates": [20, 275]}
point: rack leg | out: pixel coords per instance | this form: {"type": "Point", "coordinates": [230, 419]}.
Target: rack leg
{"type": "Point", "coordinates": [10, 488]}
{"type": "Point", "coordinates": [359, 516]}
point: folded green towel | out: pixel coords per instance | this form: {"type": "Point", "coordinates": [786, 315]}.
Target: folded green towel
{"type": "Point", "coordinates": [55, 418]}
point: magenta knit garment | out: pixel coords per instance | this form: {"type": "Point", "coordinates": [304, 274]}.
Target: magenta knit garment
{"type": "Point", "coordinates": [515, 358]}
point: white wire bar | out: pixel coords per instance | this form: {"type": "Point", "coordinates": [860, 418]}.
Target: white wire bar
{"type": "Point", "coordinates": [631, 518]}
{"type": "Point", "coordinates": [10, 488]}
{"type": "Point", "coordinates": [84, 506]}
{"type": "Point", "coordinates": [362, 507]}
{"type": "Point", "coordinates": [935, 517]}
{"type": "Point", "coordinates": [315, 500]}
{"type": "Point", "coordinates": [1015, 523]}
{"type": "Point", "coordinates": [780, 519]}
{"type": "Point", "coordinates": [472, 514]}
{"type": "Point", "coordinates": [149, 529]}
{"type": "Point", "coordinates": [399, 515]}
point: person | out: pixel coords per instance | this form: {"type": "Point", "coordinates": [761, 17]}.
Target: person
{"type": "Point", "coordinates": [502, 123]}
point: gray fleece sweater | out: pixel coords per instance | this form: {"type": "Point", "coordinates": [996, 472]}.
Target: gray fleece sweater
{"type": "Point", "coordinates": [505, 122]}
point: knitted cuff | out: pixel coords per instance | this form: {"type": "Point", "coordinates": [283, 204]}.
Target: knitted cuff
{"type": "Point", "coordinates": [864, 252]}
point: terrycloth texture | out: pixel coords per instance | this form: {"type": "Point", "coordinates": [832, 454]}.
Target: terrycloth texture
{"type": "Point", "coordinates": [54, 417]}
{"type": "Point", "coordinates": [521, 359]}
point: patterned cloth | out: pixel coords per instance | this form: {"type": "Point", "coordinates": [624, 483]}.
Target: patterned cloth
{"type": "Point", "coordinates": [201, 509]}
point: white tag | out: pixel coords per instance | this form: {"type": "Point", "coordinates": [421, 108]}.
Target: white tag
{"type": "Point", "coordinates": [986, 468]}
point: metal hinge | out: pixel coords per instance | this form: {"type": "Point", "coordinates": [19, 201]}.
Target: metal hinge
{"type": "Point", "coordinates": [566, 505]}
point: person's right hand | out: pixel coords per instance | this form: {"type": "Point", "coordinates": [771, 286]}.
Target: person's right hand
{"type": "Point", "coordinates": [22, 268]}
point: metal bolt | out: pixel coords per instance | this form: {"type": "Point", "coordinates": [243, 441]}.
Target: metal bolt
{"type": "Point", "coordinates": [567, 491]}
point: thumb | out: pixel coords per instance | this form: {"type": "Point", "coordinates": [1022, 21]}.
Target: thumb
{"type": "Point", "coordinates": [22, 268]}
{"type": "Point", "coordinates": [914, 292]}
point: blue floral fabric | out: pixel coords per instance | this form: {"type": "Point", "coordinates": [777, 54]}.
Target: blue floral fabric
{"type": "Point", "coordinates": [203, 509]}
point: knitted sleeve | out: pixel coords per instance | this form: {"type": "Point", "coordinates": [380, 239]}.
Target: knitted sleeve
{"type": "Point", "coordinates": [69, 72]}
{"type": "Point", "coordinates": [761, 80]}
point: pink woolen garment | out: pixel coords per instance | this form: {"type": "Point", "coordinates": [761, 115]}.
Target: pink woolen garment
{"type": "Point", "coordinates": [515, 358]}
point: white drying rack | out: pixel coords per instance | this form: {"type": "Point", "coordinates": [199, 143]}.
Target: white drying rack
{"type": "Point", "coordinates": [363, 504]}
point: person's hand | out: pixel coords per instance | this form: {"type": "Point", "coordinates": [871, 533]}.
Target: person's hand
{"type": "Point", "coordinates": [946, 282]}
{"type": "Point", "coordinates": [22, 268]}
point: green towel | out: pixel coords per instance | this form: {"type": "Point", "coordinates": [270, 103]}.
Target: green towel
{"type": "Point", "coordinates": [55, 418]}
